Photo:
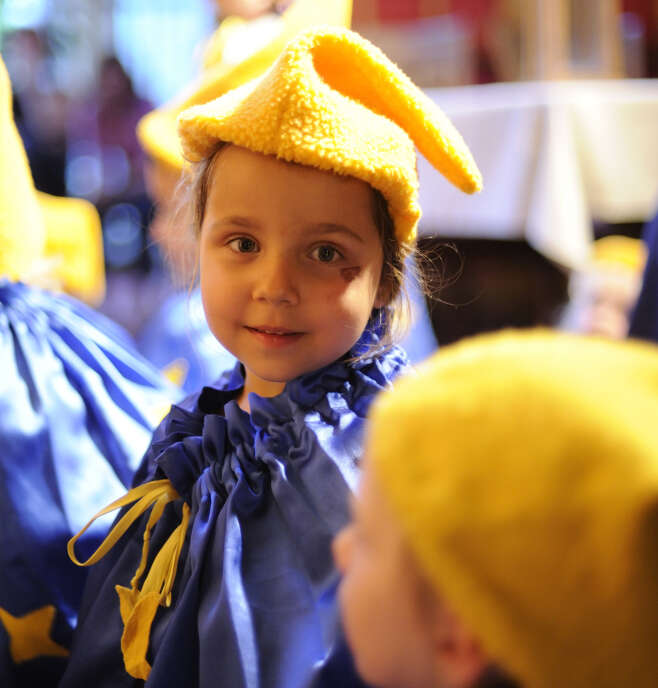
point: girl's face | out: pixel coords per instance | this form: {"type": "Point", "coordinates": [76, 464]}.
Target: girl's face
{"type": "Point", "coordinates": [290, 264]}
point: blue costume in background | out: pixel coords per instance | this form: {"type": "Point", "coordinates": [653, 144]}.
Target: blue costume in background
{"type": "Point", "coordinates": [178, 334]}
{"type": "Point", "coordinates": [77, 409]}
{"type": "Point", "coordinates": [254, 593]}
{"type": "Point", "coordinates": [644, 319]}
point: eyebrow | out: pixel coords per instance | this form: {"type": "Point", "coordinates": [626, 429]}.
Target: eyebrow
{"type": "Point", "coordinates": [335, 228]}
{"type": "Point", "coordinates": [237, 220]}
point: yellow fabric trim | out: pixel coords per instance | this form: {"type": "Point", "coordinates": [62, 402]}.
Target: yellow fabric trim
{"type": "Point", "coordinates": [139, 606]}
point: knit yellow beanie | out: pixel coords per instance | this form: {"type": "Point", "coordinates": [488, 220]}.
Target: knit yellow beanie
{"type": "Point", "coordinates": [22, 229]}
{"type": "Point", "coordinates": [335, 102]}
{"type": "Point", "coordinates": [156, 131]}
{"type": "Point", "coordinates": [523, 468]}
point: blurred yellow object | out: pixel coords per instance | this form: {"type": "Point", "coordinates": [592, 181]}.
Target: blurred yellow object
{"type": "Point", "coordinates": [523, 469]}
{"type": "Point", "coordinates": [44, 240]}
{"type": "Point", "coordinates": [74, 242]}
{"type": "Point", "coordinates": [156, 131]}
{"type": "Point", "coordinates": [334, 101]}
{"type": "Point", "coordinates": [619, 251]}
{"type": "Point", "coordinates": [176, 371]}
{"type": "Point", "coordinates": [22, 229]}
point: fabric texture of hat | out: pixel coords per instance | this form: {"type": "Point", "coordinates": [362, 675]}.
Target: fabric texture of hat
{"type": "Point", "coordinates": [335, 102]}
{"type": "Point", "coordinates": [22, 229]}
{"type": "Point", "coordinates": [156, 131]}
{"type": "Point", "coordinates": [523, 468]}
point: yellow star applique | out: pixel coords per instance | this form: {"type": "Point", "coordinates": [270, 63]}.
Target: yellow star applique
{"type": "Point", "coordinates": [29, 635]}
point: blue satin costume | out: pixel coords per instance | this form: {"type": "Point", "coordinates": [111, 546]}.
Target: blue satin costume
{"type": "Point", "coordinates": [253, 602]}
{"type": "Point", "coordinates": [178, 333]}
{"type": "Point", "coordinates": [77, 409]}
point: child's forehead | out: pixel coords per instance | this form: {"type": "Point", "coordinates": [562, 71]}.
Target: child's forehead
{"type": "Point", "coordinates": [246, 182]}
{"type": "Point", "coordinates": [232, 158]}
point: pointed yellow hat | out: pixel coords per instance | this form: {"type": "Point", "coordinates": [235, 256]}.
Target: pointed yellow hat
{"type": "Point", "coordinates": [22, 229]}
{"type": "Point", "coordinates": [156, 131]}
{"type": "Point", "coordinates": [334, 101]}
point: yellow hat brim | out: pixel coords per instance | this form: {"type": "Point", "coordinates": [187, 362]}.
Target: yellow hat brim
{"type": "Point", "coordinates": [156, 131]}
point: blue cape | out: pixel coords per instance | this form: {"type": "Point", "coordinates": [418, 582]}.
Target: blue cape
{"type": "Point", "coordinates": [77, 409]}
{"type": "Point", "coordinates": [254, 595]}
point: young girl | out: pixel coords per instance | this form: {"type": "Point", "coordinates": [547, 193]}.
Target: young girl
{"type": "Point", "coordinates": [305, 207]}
{"type": "Point", "coordinates": [238, 51]}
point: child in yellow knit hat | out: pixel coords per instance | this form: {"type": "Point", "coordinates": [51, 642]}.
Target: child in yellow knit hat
{"type": "Point", "coordinates": [506, 528]}
{"type": "Point", "coordinates": [305, 205]}
{"type": "Point", "coordinates": [243, 47]}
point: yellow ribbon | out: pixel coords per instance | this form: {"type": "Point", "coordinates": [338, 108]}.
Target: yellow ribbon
{"type": "Point", "coordinates": [138, 607]}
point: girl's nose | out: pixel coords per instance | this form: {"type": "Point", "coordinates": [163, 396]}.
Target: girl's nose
{"type": "Point", "coordinates": [275, 283]}
{"type": "Point", "coordinates": [341, 548]}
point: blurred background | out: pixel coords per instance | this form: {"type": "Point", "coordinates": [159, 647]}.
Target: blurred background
{"type": "Point", "coordinates": [558, 100]}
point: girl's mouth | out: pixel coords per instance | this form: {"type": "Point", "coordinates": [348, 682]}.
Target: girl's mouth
{"type": "Point", "coordinates": [274, 336]}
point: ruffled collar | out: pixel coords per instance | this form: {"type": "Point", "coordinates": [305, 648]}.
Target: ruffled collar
{"type": "Point", "coordinates": [213, 416]}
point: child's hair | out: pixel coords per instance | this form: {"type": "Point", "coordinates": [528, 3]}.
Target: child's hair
{"type": "Point", "coordinates": [393, 320]}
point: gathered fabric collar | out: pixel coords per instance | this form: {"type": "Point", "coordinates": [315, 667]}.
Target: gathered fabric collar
{"type": "Point", "coordinates": [196, 430]}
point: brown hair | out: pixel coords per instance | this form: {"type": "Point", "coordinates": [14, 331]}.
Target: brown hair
{"type": "Point", "coordinates": [395, 317]}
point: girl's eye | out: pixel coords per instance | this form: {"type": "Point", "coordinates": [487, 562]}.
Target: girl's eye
{"type": "Point", "coordinates": [243, 245]}
{"type": "Point", "coordinates": [326, 254]}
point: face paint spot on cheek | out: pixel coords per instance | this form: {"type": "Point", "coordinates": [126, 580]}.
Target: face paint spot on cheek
{"type": "Point", "coordinates": [348, 274]}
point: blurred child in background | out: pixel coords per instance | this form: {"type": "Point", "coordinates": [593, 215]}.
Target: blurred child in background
{"type": "Point", "coordinates": [604, 293]}
{"type": "Point", "coordinates": [506, 527]}
{"type": "Point", "coordinates": [77, 408]}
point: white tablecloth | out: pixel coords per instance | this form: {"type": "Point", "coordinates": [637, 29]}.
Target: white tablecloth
{"type": "Point", "coordinates": [554, 157]}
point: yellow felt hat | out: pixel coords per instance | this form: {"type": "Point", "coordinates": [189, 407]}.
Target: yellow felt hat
{"type": "Point", "coordinates": [620, 252]}
{"type": "Point", "coordinates": [22, 230]}
{"type": "Point", "coordinates": [335, 102]}
{"type": "Point", "coordinates": [156, 131]}
{"type": "Point", "coordinates": [523, 469]}
{"type": "Point", "coordinates": [74, 243]}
